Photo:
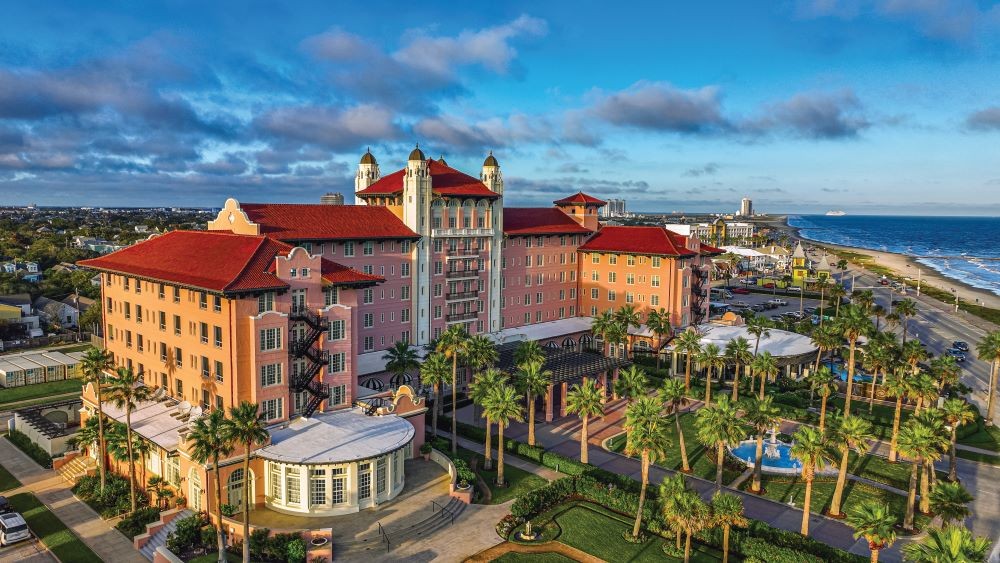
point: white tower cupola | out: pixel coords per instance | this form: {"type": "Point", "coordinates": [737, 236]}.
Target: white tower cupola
{"type": "Point", "coordinates": [491, 175]}
{"type": "Point", "coordinates": [368, 174]}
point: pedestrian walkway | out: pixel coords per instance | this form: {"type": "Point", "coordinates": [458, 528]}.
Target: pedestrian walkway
{"type": "Point", "coordinates": [53, 491]}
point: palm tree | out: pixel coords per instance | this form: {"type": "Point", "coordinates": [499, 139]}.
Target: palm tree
{"type": "Point", "coordinates": [825, 339]}
{"type": "Point", "coordinates": [822, 284]}
{"type": "Point", "coordinates": [454, 344]}
{"type": "Point", "coordinates": [837, 292]}
{"type": "Point", "coordinates": [669, 488]}
{"type": "Point", "coordinates": [924, 390]}
{"type": "Point", "coordinates": [823, 382]}
{"type": "Point", "coordinates": [628, 317]}
{"type": "Point", "coordinates": [727, 511]}
{"type": "Point", "coordinates": [906, 308]}
{"type": "Point", "coordinates": [853, 325]}
{"type": "Point", "coordinates": [842, 264]}
{"type": "Point", "coordinates": [141, 448]}
{"type": "Point", "coordinates": [878, 359]}
{"type": "Point", "coordinates": [585, 400]}
{"type": "Point", "coordinates": [913, 353]}
{"type": "Point", "coordinates": [851, 433]}
{"type": "Point", "coordinates": [710, 357]}
{"type": "Point", "coordinates": [658, 321]}
{"type": "Point", "coordinates": [603, 325]}
{"type": "Point", "coordinates": [809, 447]}
{"type": "Point", "coordinates": [956, 412]}
{"type": "Point", "coordinates": [95, 364]}
{"type": "Point", "coordinates": [873, 521]}
{"type": "Point", "coordinates": [946, 545]}
{"type": "Point", "coordinates": [480, 352]}
{"type": "Point", "coordinates": [533, 381]}
{"type": "Point", "coordinates": [646, 432]}
{"type": "Point", "coordinates": [917, 442]}
{"type": "Point", "coordinates": [878, 312]}
{"type": "Point", "coordinates": [863, 299]}
{"type": "Point", "coordinates": [988, 350]}
{"type": "Point", "coordinates": [897, 385]}
{"type": "Point", "coordinates": [528, 352]}
{"type": "Point", "coordinates": [435, 372]}
{"type": "Point", "coordinates": [245, 427]}
{"type": "Point", "coordinates": [932, 419]}
{"type": "Point", "coordinates": [209, 443]}
{"type": "Point", "coordinates": [690, 513]}
{"type": "Point", "coordinates": [126, 391]}
{"type": "Point", "coordinates": [689, 344]}
{"type": "Point", "coordinates": [720, 426]}
{"type": "Point", "coordinates": [400, 359]}
{"type": "Point", "coordinates": [945, 370]}
{"type": "Point", "coordinates": [761, 415]}
{"type": "Point", "coordinates": [632, 383]}
{"type": "Point", "coordinates": [765, 366]}
{"type": "Point", "coordinates": [482, 393]}
{"type": "Point", "coordinates": [503, 406]}
{"type": "Point", "coordinates": [758, 327]}
{"type": "Point", "coordinates": [158, 487]}
{"type": "Point", "coordinates": [950, 501]}
{"type": "Point", "coordinates": [738, 352]}
{"type": "Point", "coordinates": [86, 436]}
{"type": "Point", "coordinates": [673, 397]}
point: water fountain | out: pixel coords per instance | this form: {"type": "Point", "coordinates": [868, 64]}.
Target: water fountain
{"type": "Point", "coordinates": [771, 451]}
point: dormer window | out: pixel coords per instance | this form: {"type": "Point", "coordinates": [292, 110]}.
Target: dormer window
{"type": "Point", "coordinates": [304, 273]}
{"type": "Point", "coordinates": [292, 273]}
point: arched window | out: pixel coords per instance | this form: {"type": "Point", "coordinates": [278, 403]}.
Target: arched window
{"type": "Point", "coordinates": [234, 489]}
{"type": "Point", "coordinates": [195, 490]}
{"type": "Point", "coordinates": [551, 344]}
{"type": "Point", "coordinates": [569, 343]}
{"type": "Point", "coordinates": [586, 342]}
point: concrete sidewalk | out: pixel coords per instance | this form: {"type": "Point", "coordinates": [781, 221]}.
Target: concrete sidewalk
{"type": "Point", "coordinates": [54, 492]}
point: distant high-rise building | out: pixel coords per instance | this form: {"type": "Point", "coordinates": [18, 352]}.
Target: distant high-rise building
{"type": "Point", "coordinates": [614, 208]}
{"type": "Point", "coordinates": [332, 198]}
{"type": "Point", "coordinates": [746, 207]}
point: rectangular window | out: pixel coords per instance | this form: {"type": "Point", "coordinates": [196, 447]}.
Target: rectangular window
{"type": "Point", "coordinates": [364, 482]}
{"type": "Point", "coordinates": [216, 303]}
{"type": "Point", "coordinates": [218, 336]}
{"type": "Point", "coordinates": [272, 409]}
{"type": "Point", "coordinates": [292, 483]}
{"type": "Point", "coordinates": [178, 358]}
{"type": "Point", "coordinates": [613, 260]}
{"type": "Point", "coordinates": [203, 300]}
{"type": "Point", "coordinates": [275, 481]}
{"type": "Point", "coordinates": [163, 320]}
{"type": "Point", "coordinates": [630, 260]}
{"type": "Point", "coordinates": [404, 269]}
{"type": "Point", "coordinates": [404, 315]}
{"type": "Point", "coordinates": [367, 248]}
{"type": "Point", "coordinates": [368, 320]}
{"type": "Point", "coordinates": [369, 343]}
{"type": "Point", "coordinates": [404, 292]}
{"type": "Point", "coordinates": [630, 279]}
{"type": "Point", "coordinates": [265, 302]}
{"type": "Point", "coordinates": [203, 331]}
{"type": "Point", "coordinates": [338, 394]}
{"type": "Point", "coordinates": [656, 261]}
{"type": "Point", "coordinates": [369, 297]}
{"type": "Point", "coordinates": [594, 293]}
{"type": "Point", "coordinates": [654, 281]}
{"type": "Point", "coordinates": [128, 310]}
{"type": "Point", "coordinates": [317, 486]}
{"type": "Point", "coordinates": [380, 475]}
{"type": "Point", "coordinates": [336, 331]}
{"type": "Point", "coordinates": [270, 375]}
{"type": "Point", "coordinates": [204, 367]}
{"type": "Point", "coordinates": [270, 339]}
{"type": "Point", "coordinates": [611, 295]}
{"type": "Point", "coordinates": [348, 249]}
{"type": "Point", "coordinates": [613, 277]}
{"type": "Point", "coordinates": [218, 370]}
{"type": "Point", "coordinates": [337, 362]}
{"type": "Point", "coordinates": [337, 486]}
{"type": "Point", "coordinates": [177, 295]}
{"type": "Point", "coordinates": [331, 296]}
{"type": "Point", "coordinates": [654, 299]}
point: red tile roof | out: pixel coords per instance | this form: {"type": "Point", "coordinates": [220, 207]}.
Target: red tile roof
{"type": "Point", "coordinates": [297, 222]}
{"type": "Point", "coordinates": [709, 249]}
{"type": "Point", "coordinates": [637, 240]}
{"type": "Point", "coordinates": [212, 260]}
{"type": "Point", "coordinates": [445, 181]}
{"type": "Point", "coordinates": [580, 197]}
{"type": "Point", "coordinates": [539, 220]}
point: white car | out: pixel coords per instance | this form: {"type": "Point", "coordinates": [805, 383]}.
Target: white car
{"type": "Point", "coordinates": [794, 288]}
{"type": "Point", "coordinates": [13, 528]}
{"type": "Point", "coordinates": [778, 302]}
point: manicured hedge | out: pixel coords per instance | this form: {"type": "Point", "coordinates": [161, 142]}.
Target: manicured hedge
{"type": "Point", "coordinates": [25, 444]}
{"type": "Point", "coordinates": [135, 523]}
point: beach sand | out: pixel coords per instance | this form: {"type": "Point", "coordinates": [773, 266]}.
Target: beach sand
{"type": "Point", "coordinates": [908, 267]}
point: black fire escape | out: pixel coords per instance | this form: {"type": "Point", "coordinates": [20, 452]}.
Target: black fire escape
{"type": "Point", "coordinates": [316, 358]}
{"type": "Point", "coordinates": [699, 293]}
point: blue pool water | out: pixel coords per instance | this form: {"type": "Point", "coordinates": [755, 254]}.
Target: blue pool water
{"type": "Point", "coordinates": [840, 370]}
{"type": "Point", "coordinates": [747, 452]}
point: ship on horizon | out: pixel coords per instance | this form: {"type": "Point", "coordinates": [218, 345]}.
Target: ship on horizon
{"type": "Point", "coordinates": [836, 213]}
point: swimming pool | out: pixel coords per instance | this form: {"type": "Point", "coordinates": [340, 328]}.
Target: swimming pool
{"type": "Point", "coordinates": [840, 370]}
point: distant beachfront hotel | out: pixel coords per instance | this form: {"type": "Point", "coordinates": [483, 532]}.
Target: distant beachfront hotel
{"type": "Point", "coordinates": [292, 306]}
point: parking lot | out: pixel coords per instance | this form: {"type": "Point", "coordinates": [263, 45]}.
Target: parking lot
{"type": "Point", "coordinates": [753, 298]}
{"type": "Point", "coordinates": [30, 551]}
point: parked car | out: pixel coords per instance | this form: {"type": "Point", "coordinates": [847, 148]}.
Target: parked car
{"type": "Point", "coordinates": [758, 308]}
{"type": "Point", "coordinates": [794, 289]}
{"type": "Point", "coordinates": [768, 305]}
{"type": "Point", "coordinates": [778, 302]}
{"type": "Point", "coordinates": [955, 353]}
{"type": "Point", "coordinates": [960, 345]}
{"type": "Point", "coordinates": [5, 506]}
{"type": "Point", "coordinates": [776, 317]}
{"type": "Point", "coordinates": [809, 310]}
{"type": "Point", "coordinates": [13, 528]}
{"type": "Point", "coordinates": [740, 291]}
{"type": "Point", "coordinates": [742, 304]}
{"type": "Point", "coordinates": [769, 285]}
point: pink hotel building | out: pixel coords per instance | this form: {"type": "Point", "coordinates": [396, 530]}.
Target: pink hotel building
{"type": "Point", "coordinates": [292, 306]}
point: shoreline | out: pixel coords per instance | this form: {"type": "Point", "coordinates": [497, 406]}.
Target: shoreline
{"type": "Point", "coordinates": [905, 266]}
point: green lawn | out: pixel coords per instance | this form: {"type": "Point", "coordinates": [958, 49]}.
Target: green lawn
{"type": "Point", "coordinates": [518, 480]}
{"type": "Point", "coordinates": [878, 468]}
{"type": "Point", "coordinates": [598, 531]}
{"type": "Point", "coordinates": [7, 481]}
{"type": "Point", "coordinates": [214, 556]}
{"type": "Point", "coordinates": [978, 457]}
{"type": "Point", "coordinates": [988, 439]}
{"type": "Point", "coordinates": [514, 557]}
{"type": "Point", "coordinates": [782, 489]}
{"type": "Point", "coordinates": [701, 460]}
{"type": "Point", "coordinates": [39, 390]}
{"type": "Point", "coordinates": [63, 543]}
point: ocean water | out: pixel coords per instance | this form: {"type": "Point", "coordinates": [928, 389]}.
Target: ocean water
{"type": "Point", "coordinates": [963, 248]}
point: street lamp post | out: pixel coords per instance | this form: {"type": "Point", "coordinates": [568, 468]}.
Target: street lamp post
{"type": "Point", "coordinates": [955, 293]}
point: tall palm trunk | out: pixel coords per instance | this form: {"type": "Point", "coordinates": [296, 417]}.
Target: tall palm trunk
{"type": "Point", "coordinates": [874, 551]}
{"type": "Point", "coordinates": [220, 530]}
{"type": "Point", "coordinates": [850, 378]}
{"type": "Point", "coordinates": [893, 454]}
{"type": "Point", "coordinates": [807, 502]}
{"type": "Point", "coordinates": [131, 462]}
{"type": "Point", "coordinates": [642, 493]}
{"type": "Point", "coordinates": [758, 462]}
{"type": "Point", "coordinates": [911, 497]}
{"type": "Point", "coordinates": [488, 456]}
{"type": "Point", "coordinates": [101, 445]}
{"type": "Point", "coordinates": [838, 492]}
{"type": "Point", "coordinates": [925, 487]}
{"type": "Point", "coordinates": [736, 382]}
{"type": "Point", "coordinates": [500, 426]}
{"type": "Point", "coordinates": [583, 441]}
{"type": "Point", "coordinates": [871, 394]}
{"type": "Point", "coordinates": [822, 411]}
{"type": "Point", "coordinates": [687, 546]}
{"type": "Point", "coordinates": [763, 381]}
{"type": "Point", "coordinates": [708, 387]}
{"type": "Point", "coordinates": [454, 402]}
{"type": "Point", "coordinates": [725, 544]}
{"type": "Point", "coordinates": [246, 504]}
{"type": "Point", "coordinates": [952, 460]}
{"type": "Point", "coordinates": [991, 399]}
{"type": "Point", "coordinates": [687, 373]}
{"type": "Point", "coordinates": [680, 441]}
{"type": "Point", "coordinates": [531, 419]}
{"type": "Point", "coordinates": [437, 409]}
{"type": "Point", "coordinates": [718, 464]}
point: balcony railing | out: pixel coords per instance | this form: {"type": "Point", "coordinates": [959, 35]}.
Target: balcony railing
{"type": "Point", "coordinates": [461, 232]}
{"type": "Point", "coordinates": [471, 315]}
{"type": "Point", "coordinates": [458, 295]}
{"type": "Point", "coordinates": [458, 274]}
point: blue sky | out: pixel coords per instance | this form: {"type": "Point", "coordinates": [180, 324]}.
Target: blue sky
{"type": "Point", "coordinates": [871, 106]}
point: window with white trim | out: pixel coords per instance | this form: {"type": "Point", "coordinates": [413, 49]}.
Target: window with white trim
{"type": "Point", "coordinates": [272, 409]}
{"type": "Point", "coordinates": [337, 331]}
{"type": "Point", "coordinates": [337, 362]}
{"type": "Point", "coordinates": [317, 487]}
{"type": "Point", "coordinates": [270, 374]}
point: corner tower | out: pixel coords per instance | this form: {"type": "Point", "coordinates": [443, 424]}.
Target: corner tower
{"type": "Point", "coordinates": [368, 174]}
